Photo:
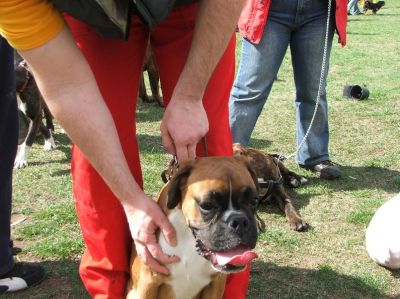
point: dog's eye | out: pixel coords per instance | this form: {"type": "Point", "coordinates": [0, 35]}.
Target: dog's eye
{"type": "Point", "coordinates": [251, 197]}
{"type": "Point", "coordinates": [215, 195]}
{"type": "Point", "coordinates": [207, 206]}
{"type": "Point", "coordinates": [253, 201]}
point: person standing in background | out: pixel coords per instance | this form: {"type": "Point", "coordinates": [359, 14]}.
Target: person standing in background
{"type": "Point", "coordinates": [268, 27]}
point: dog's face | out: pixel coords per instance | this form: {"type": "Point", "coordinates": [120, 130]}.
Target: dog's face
{"type": "Point", "coordinates": [219, 197]}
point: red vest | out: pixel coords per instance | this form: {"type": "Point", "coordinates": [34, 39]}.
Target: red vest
{"type": "Point", "coordinates": [255, 12]}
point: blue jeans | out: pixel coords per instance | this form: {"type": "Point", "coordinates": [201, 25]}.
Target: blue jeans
{"type": "Point", "coordinates": [8, 149]}
{"type": "Point", "coordinates": [302, 25]}
{"type": "Point", "coordinates": [352, 7]}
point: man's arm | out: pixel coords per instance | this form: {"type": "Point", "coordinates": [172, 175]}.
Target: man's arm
{"type": "Point", "coordinates": [185, 121]}
{"type": "Point", "coordinates": [69, 88]}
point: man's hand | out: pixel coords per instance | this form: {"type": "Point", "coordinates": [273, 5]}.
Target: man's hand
{"type": "Point", "coordinates": [183, 125]}
{"type": "Point", "coordinates": [145, 218]}
{"type": "Point", "coordinates": [185, 121]}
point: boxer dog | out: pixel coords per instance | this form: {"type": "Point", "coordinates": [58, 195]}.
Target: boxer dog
{"type": "Point", "coordinates": [212, 204]}
{"type": "Point", "coordinates": [272, 174]}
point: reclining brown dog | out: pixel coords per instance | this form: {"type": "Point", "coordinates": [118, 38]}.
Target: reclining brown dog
{"type": "Point", "coordinates": [272, 175]}
{"type": "Point", "coordinates": [212, 203]}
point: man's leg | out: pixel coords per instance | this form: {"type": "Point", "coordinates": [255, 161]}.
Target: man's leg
{"type": "Point", "coordinates": [13, 277]}
{"type": "Point", "coordinates": [8, 149]}
{"type": "Point", "coordinates": [171, 42]}
{"type": "Point", "coordinates": [258, 67]}
{"type": "Point", "coordinates": [307, 48]}
{"type": "Point", "coordinates": [117, 66]}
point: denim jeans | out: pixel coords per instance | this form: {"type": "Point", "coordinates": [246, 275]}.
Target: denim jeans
{"type": "Point", "coordinates": [302, 25]}
{"type": "Point", "coordinates": [8, 149]}
{"type": "Point", "coordinates": [352, 7]}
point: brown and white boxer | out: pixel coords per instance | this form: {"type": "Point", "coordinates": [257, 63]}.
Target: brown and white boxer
{"type": "Point", "coordinates": [212, 204]}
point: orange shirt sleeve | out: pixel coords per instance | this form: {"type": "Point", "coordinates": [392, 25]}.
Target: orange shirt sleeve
{"type": "Point", "coordinates": [28, 24]}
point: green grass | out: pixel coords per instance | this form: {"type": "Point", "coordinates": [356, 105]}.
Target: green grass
{"type": "Point", "coordinates": [329, 260]}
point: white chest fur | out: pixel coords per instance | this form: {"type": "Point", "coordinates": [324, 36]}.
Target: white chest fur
{"type": "Point", "coordinates": [193, 272]}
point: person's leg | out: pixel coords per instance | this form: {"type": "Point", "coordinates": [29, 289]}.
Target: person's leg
{"type": "Point", "coordinates": [117, 66]}
{"type": "Point", "coordinates": [8, 150]}
{"type": "Point", "coordinates": [18, 276]}
{"type": "Point", "coordinates": [307, 49]}
{"type": "Point", "coordinates": [258, 68]}
{"type": "Point", "coordinates": [352, 7]}
{"type": "Point", "coordinates": [171, 42]}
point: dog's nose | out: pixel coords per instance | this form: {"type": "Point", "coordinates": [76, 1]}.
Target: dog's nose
{"type": "Point", "coordinates": [237, 221]}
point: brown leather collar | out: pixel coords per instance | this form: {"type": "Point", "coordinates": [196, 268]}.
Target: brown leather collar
{"type": "Point", "coordinates": [23, 65]}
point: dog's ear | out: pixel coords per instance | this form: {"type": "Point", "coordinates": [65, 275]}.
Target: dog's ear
{"type": "Point", "coordinates": [247, 162]}
{"type": "Point", "coordinates": [237, 149]}
{"type": "Point", "coordinates": [178, 181]}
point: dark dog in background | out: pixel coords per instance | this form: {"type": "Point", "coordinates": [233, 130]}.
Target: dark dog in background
{"type": "Point", "coordinates": [150, 65]}
{"type": "Point", "coordinates": [31, 109]}
{"type": "Point", "coordinates": [272, 175]}
{"type": "Point", "coordinates": [369, 5]}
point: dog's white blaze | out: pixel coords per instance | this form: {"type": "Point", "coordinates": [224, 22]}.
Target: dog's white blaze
{"type": "Point", "coordinates": [192, 272]}
{"type": "Point", "coordinates": [230, 204]}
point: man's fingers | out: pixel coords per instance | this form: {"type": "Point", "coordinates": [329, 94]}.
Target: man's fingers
{"type": "Point", "coordinates": [168, 142]}
{"type": "Point", "coordinates": [167, 229]}
{"type": "Point", "coordinates": [182, 153]}
{"type": "Point", "coordinates": [148, 259]}
{"type": "Point", "coordinates": [192, 151]}
{"type": "Point", "coordinates": [157, 253]}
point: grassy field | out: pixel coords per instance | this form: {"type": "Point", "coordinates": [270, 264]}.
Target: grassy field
{"type": "Point", "coordinates": [327, 261]}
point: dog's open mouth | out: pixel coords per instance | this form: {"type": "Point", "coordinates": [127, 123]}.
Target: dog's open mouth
{"type": "Point", "coordinates": [229, 260]}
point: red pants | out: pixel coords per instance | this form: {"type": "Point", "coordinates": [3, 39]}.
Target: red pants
{"type": "Point", "coordinates": [117, 66]}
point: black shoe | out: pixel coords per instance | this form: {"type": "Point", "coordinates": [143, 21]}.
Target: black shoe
{"type": "Point", "coordinates": [22, 276]}
{"type": "Point", "coordinates": [328, 170]}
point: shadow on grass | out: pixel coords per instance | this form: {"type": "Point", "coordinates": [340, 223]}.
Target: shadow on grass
{"type": "Point", "coordinates": [367, 178]}
{"type": "Point", "coordinates": [150, 144]}
{"type": "Point", "coordinates": [62, 281]}
{"type": "Point", "coordinates": [149, 112]}
{"type": "Point", "coordinates": [268, 280]}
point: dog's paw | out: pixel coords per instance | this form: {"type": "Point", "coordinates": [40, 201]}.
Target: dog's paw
{"type": "Point", "coordinates": [295, 181]}
{"type": "Point", "coordinates": [300, 225]}
{"type": "Point", "coordinates": [20, 162]}
{"type": "Point", "coordinates": [49, 144]}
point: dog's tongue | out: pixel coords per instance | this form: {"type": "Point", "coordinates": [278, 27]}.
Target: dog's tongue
{"type": "Point", "coordinates": [239, 256]}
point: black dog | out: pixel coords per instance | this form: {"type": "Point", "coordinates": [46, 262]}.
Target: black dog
{"type": "Point", "coordinates": [150, 66]}
{"type": "Point", "coordinates": [31, 110]}
{"type": "Point", "coordinates": [272, 175]}
{"type": "Point", "coordinates": [369, 5]}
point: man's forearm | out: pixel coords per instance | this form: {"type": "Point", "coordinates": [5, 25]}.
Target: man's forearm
{"type": "Point", "coordinates": [70, 90]}
{"type": "Point", "coordinates": [216, 22]}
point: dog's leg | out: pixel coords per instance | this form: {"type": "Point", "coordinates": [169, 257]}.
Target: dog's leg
{"type": "Point", "coordinates": [48, 137]}
{"type": "Point", "coordinates": [49, 117]}
{"type": "Point", "coordinates": [154, 78]}
{"type": "Point", "coordinates": [142, 91]}
{"type": "Point", "coordinates": [291, 178]}
{"type": "Point", "coordinates": [215, 289]}
{"type": "Point", "coordinates": [285, 203]}
{"type": "Point", "coordinates": [21, 160]}
{"type": "Point", "coordinates": [22, 157]}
